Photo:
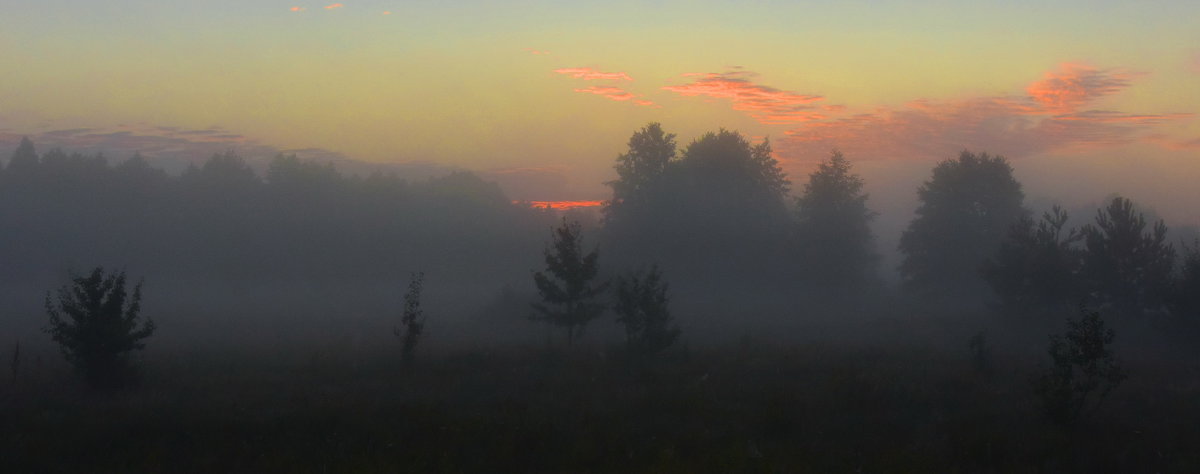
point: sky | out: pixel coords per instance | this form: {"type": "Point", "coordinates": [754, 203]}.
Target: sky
{"type": "Point", "coordinates": [1086, 98]}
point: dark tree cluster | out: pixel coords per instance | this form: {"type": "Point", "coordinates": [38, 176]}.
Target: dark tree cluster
{"type": "Point", "coordinates": [724, 199]}
{"type": "Point", "coordinates": [299, 220]}
{"type": "Point", "coordinates": [1115, 262]}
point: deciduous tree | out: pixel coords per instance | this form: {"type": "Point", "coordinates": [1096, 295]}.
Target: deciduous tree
{"type": "Point", "coordinates": [965, 210]}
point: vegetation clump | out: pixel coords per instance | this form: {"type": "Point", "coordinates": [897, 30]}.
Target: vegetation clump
{"type": "Point", "coordinates": [570, 292]}
{"type": "Point", "coordinates": [97, 325]}
{"type": "Point", "coordinates": [1084, 369]}
{"type": "Point", "coordinates": [413, 319]}
{"type": "Point", "coordinates": [642, 307]}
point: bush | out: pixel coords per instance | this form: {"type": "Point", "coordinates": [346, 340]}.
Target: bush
{"type": "Point", "coordinates": [641, 307]}
{"type": "Point", "coordinates": [1083, 366]}
{"type": "Point", "coordinates": [96, 327]}
{"type": "Point", "coordinates": [412, 320]}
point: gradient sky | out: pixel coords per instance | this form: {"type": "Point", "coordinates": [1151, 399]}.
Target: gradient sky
{"type": "Point", "coordinates": [1086, 98]}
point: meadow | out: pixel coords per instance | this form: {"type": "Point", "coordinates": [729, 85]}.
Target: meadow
{"type": "Point", "coordinates": [753, 405]}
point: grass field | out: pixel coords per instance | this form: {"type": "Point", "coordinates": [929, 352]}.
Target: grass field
{"type": "Point", "coordinates": [747, 407]}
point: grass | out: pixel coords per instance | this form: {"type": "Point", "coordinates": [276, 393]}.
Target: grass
{"type": "Point", "coordinates": [740, 408]}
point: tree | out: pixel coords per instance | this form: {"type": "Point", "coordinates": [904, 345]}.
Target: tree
{"type": "Point", "coordinates": [1036, 267]}
{"type": "Point", "coordinates": [1125, 264]}
{"type": "Point", "coordinates": [97, 325]}
{"type": "Point", "coordinates": [412, 320]}
{"type": "Point", "coordinates": [1185, 294]}
{"type": "Point", "coordinates": [833, 226]}
{"type": "Point", "coordinates": [639, 170]}
{"type": "Point", "coordinates": [642, 308]}
{"type": "Point", "coordinates": [1083, 365]}
{"type": "Point", "coordinates": [569, 293]}
{"type": "Point", "coordinates": [24, 158]}
{"type": "Point", "coordinates": [965, 210]}
{"type": "Point", "coordinates": [728, 173]}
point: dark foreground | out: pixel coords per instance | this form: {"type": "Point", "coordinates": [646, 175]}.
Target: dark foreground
{"type": "Point", "coordinates": [744, 408]}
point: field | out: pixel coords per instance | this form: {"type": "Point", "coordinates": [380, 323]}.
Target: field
{"type": "Point", "coordinates": [749, 406]}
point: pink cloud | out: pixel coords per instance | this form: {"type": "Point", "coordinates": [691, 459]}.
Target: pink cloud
{"type": "Point", "coordinates": [536, 52]}
{"type": "Point", "coordinates": [1052, 116]}
{"type": "Point", "coordinates": [765, 104]}
{"type": "Point", "coordinates": [588, 74]}
{"type": "Point", "coordinates": [333, 6]}
{"type": "Point", "coordinates": [617, 94]}
{"type": "Point", "coordinates": [1074, 85]}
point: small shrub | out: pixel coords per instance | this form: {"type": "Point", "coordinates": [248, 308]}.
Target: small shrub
{"type": "Point", "coordinates": [96, 325]}
{"type": "Point", "coordinates": [642, 307]}
{"type": "Point", "coordinates": [1084, 369]}
{"type": "Point", "coordinates": [412, 320]}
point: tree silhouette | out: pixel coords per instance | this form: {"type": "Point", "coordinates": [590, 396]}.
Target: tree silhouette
{"type": "Point", "coordinates": [413, 319]}
{"type": "Point", "coordinates": [24, 158]}
{"type": "Point", "coordinates": [642, 308]}
{"type": "Point", "coordinates": [1083, 366]}
{"type": "Point", "coordinates": [569, 294]}
{"type": "Point", "coordinates": [96, 327]}
{"type": "Point", "coordinates": [1126, 264]}
{"type": "Point", "coordinates": [1185, 294]}
{"type": "Point", "coordinates": [833, 226]}
{"type": "Point", "coordinates": [639, 171]}
{"type": "Point", "coordinates": [722, 193]}
{"type": "Point", "coordinates": [1036, 267]}
{"type": "Point", "coordinates": [965, 210]}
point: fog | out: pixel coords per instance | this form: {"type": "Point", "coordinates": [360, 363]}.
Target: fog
{"type": "Point", "coordinates": [251, 268]}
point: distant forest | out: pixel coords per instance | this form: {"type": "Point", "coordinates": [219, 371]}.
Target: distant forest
{"type": "Point", "coordinates": [718, 215]}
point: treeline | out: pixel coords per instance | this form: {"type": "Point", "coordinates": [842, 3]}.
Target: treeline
{"type": "Point", "coordinates": [721, 208]}
{"type": "Point", "coordinates": [300, 220]}
{"type": "Point", "coordinates": [715, 214]}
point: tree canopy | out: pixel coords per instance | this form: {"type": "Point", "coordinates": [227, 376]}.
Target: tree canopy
{"type": "Point", "coordinates": [966, 209]}
{"type": "Point", "coordinates": [1125, 263]}
{"type": "Point", "coordinates": [833, 226]}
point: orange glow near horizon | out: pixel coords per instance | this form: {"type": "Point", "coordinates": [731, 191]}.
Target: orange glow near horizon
{"type": "Point", "coordinates": [560, 205]}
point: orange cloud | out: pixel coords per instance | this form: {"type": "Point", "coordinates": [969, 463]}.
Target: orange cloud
{"type": "Point", "coordinates": [1053, 116]}
{"type": "Point", "coordinates": [560, 205]}
{"type": "Point", "coordinates": [333, 6]}
{"type": "Point", "coordinates": [615, 93]}
{"type": "Point", "coordinates": [387, 13]}
{"type": "Point", "coordinates": [536, 52]}
{"type": "Point", "coordinates": [765, 104]}
{"type": "Point", "coordinates": [587, 74]}
{"type": "Point", "coordinates": [297, 9]}
{"type": "Point", "coordinates": [1074, 85]}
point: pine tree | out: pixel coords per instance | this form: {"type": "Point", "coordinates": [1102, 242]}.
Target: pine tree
{"type": "Point", "coordinates": [570, 291]}
{"type": "Point", "coordinates": [1126, 264]}
{"type": "Point", "coordinates": [97, 325]}
{"type": "Point", "coordinates": [1036, 267]}
{"type": "Point", "coordinates": [833, 227]}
